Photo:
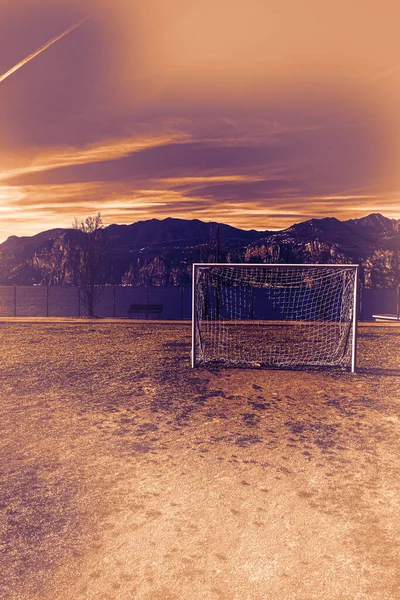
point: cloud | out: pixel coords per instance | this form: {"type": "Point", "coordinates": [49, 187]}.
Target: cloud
{"type": "Point", "coordinates": [259, 159]}
{"type": "Point", "coordinates": [221, 110]}
{"type": "Point", "coordinates": [122, 204]}
{"type": "Point", "coordinates": [111, 150]}
{"type": "Point", "coordinates": [251, 173]}
{"type": "Point", "coordinates": [237, 191]}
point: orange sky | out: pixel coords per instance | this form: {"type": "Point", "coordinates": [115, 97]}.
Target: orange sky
{"type": "Point", "coordinates": [251, 112]}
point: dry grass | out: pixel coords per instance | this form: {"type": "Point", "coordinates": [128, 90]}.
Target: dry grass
{"type": "Point", "coordinates": [128, 475]}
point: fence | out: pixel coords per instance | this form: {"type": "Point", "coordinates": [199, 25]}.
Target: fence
{"type": "Point", "coordinates": [64, 301]}
{"type": "Point", "coordinates": [114, 301]}
{"type": "Point", "coordinates": [378, 302]}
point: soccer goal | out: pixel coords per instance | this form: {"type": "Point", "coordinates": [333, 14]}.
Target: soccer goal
{"type": "Point", "coordinates": [274, 315]}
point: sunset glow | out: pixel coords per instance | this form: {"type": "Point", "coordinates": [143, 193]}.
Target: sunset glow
{"type": "Point", "coordinates": [254, 114]}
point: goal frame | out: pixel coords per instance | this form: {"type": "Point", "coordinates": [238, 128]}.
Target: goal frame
{"type": "Point", "coordinates": [354, 321]}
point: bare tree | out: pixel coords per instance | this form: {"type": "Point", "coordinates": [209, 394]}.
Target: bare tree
{"type": "Point", "coordinates": [87, 254]}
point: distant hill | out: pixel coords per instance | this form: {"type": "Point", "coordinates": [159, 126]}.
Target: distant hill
{"type": "Point", "coordinates": [161, 252]}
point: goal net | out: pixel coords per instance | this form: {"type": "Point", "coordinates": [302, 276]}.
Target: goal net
{"type": "Point", "coordinates": [273, 315]}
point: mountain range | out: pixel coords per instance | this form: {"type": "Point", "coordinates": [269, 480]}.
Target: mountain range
{"type": "Point", "coordinates": [161, 252]}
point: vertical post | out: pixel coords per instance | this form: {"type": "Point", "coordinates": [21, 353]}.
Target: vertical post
{"type": "Point", "coordinates": [218, 298]}
{"type": "Point", "coordinates": [205, 307]}
{"type": "Point", "coordinates": [15, 300]}
{"type": "Point", "coordinates": [360, 300]}
{"type": "Point", "coordinates": [47, 300]}
{"type": "Point", "coordinates": [354, 332]}
{"type": "Point", "coordinates": [194, 290]}
{"type": "Point", "coordinates": [218, 283]}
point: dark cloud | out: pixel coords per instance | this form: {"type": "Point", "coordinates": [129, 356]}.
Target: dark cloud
{"type": "Point", "coordinates": [243, 190]}
{"type": "Point", "coordinates": [310, 161]}
{"type": "Point", "coordinates": [172, 160]}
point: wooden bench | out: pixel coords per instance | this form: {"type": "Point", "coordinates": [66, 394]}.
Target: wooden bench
{"type": "Point", "coordinates": [139, 310]}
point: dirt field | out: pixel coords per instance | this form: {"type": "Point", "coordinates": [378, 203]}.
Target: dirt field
{"type": "Point", "coordinates": [127, 475]}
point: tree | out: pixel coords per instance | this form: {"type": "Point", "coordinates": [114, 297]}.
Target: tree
{"type": "Point", "coordinates": [87, 254]}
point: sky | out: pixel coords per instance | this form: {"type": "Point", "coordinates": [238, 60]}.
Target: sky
{"type": "Point", "coordinates": [256, 113]}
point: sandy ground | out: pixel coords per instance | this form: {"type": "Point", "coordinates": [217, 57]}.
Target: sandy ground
{"type": "Point", "coordinates": [127, 475]}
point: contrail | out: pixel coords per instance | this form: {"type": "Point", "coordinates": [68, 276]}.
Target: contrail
{"type": "Point", "coordinates": [385, 73]}
{"type": "Point", "coordinates": [41, 49]}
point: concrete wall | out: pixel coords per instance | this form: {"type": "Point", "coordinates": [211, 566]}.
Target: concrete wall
{"type": "Point", "coordinates": [63, 301]}
{"type": "Point", "coordinates": [114, 301]}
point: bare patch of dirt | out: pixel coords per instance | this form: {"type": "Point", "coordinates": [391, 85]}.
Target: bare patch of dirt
{"type": "Point", "coordinates": [128, 475]}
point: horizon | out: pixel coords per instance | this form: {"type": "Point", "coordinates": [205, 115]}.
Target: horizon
{"type": "Point", "coordinates": [194, 219]}
{"type": "Point", "coordinates": [235, 112]}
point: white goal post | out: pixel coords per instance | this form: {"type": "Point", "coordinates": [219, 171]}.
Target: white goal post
{"type": "Point", "coordinates": [275, 315]}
